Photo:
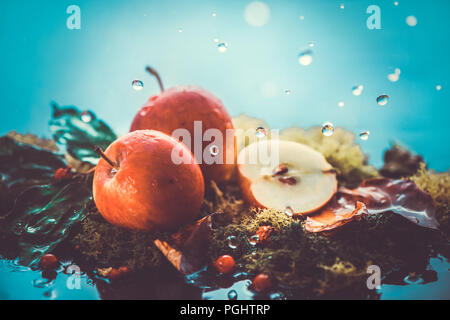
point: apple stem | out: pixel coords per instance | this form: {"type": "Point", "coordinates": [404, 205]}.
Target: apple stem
{"type": "Point", "coordinates": [155, 73]}
{"type": "Point", "coordinates": [100, 152]}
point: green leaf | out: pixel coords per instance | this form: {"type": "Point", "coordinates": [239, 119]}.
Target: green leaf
{"type": "Point", "coordinates": [41, 217]}
{"type": "Point", "coordinates": [35, 210]}
{"type": "Point", "coordinates": [22, 165]}
{"type": "Point", "coordinates": [80, 132]}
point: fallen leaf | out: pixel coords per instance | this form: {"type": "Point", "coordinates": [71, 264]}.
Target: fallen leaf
{"type": "Point", "coordinates": [187, 249]}
{"type": "Point", "coordinates": [376, 196]}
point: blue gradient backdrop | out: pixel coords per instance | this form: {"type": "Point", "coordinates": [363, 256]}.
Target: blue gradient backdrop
{"type": "Point", "coordinates": [41, 61]}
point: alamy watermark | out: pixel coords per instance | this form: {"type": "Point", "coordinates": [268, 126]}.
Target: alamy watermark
{"type": "Point", "coordinates": [74, 20]}
{"type": "Point", "coordinates": [222, 149]}
{"type": "Point", "coordinates": [374, 280]}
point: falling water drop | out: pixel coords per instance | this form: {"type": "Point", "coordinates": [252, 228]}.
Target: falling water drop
{"type": "Point", "coordinates": [438, 87]}
{"type": "Point", "coordinates": [357, 90]}
{"type": "Point", "coordinates": [216, 40]}
{"type": "Point", "coordinates": [364, 135]}
{"type": "Point", "coordinates": [327, 129]}
{"type": "Point", "coordinates": [222, 47]}
{"type": "Point", "coordinates": [287, 91]}
{"type": "Point", "coordinates": [137, 85]}
{"type": "Point", "coordinates": [382, 99]}
{"type": "Point", "coordinates": [340, 104]}
{"type": "Point", "coordinates": [305, 57]}
{"type": "Point", "coordinates": [180, 30]}
{"type": "Point", "coordinates": [260, 132]}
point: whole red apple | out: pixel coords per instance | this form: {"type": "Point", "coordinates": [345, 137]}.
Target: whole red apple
{"type": "Point", "coordinates": [138, 186]}
{"type": "Point", "coordinates": [178, 108]}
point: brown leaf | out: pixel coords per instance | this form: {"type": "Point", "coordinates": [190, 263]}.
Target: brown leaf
{"type": "Point", "coordinates": [187, 249]}
{"type": "Point", "coordinates": [335, 215]}
{"type": "Point", "coordinates": [378, 195]}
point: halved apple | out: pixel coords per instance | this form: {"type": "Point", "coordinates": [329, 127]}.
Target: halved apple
{"type": "Point", "coordinates": [285, 175]}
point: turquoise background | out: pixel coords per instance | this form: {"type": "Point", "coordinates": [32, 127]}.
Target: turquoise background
{"type": "Point", "coordinates": [92, 68]}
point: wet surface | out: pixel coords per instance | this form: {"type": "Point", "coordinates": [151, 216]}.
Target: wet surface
{"type": "Point", "coordinates": [17, 282]}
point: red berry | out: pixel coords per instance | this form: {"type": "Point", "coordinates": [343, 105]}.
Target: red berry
{"type": "Point", "coordinates": [118, 273]}
{"type": "Point", "coordinates": [49, 262]}
{"type": "Point", "coordinates": [63, 173]}
{"type": "Point", "coordinates": [264, 233]}
{"type": "Point", "coordinates": [225, 264]}
{"type": "Point", "coordinates": [261, 282]}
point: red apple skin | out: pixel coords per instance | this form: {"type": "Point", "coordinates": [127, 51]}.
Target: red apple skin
{"type": "Point", "coordinates": [148, 191]}
{"type": "Point", "coordinates": [179, 107]}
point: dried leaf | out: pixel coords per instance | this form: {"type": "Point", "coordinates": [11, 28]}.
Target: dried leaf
{"type": "Point", "coordinates": [378, 195]}
{"type": "Point", "coordinates": [187, 249]}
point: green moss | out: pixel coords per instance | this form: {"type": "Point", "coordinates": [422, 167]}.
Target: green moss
{"type": "Point", "coordinates": [340, 151]}
{"type": "Point", "coordinates": [317, 265]}
{"type": "Point", "coordinates": [105, 245]}
{"type": "Point", "coordinates": [438, 186]}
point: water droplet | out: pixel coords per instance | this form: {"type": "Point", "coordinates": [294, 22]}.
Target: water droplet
{"type": "Point", "coordinates": [253, 240]}
{"type": "Point", "coordinates": [393, 77]}
{"type": "Point", "coordinates": [364, 135]}
{"type": "Point", "coordinates": [216, 40]}
{"type": "Point", "coordinates": [287, 91]}
{"type": "Point", "coordinates": [87, 116]}
{"type": "Point", "coordinates": [357, 90]}
{"type": "Point", "coordinates": [340, 104]}
{"type": "Point", "coordinates": [342, 6]}
{"type": "Point", "coordinates": [382, 99]}
{"type": "Point", "coordinates": [327, 129]}
{"type": "Point", "coordinates": [232, 242]}
{"type": "Point", "coordinates": [213, 14]}
{"type": "Point", "coordinates": [288, 211]}
{"type": "Point", "coordinates": [311, 44]}
{"type": "Point", "coordinates": [260, 132]}
{"type": "Point", "coordinates": [395, 3]}
{"type": "Point", "coordinates": [180, 30]}
{"type": "Point", "coordinates": [214, 150]}
{"type": "Point", "coordinates": [397, 71]}
{"type": "Point", "coordinates": [411, 21]}
{"type": "Point", "coordinates": [413, 278]}
{"type": "Point", "coordinates": [232, 295]}
{"type": "Point", "coordinates": [222, 47]}
{"type": "Point", "coordinates": [438, 87]}
{"type": "Point", "coordinates": [137, 85]}
{"type": "Point", "coordinates": [302, 17]}
{"type": "Point", "coordinates": [305, 57]}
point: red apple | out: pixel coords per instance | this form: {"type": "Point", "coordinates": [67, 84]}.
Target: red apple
{"type": "Point", "coordinates": [178, 108]}
{"type": "Point", "coordinates": [138, 186]}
